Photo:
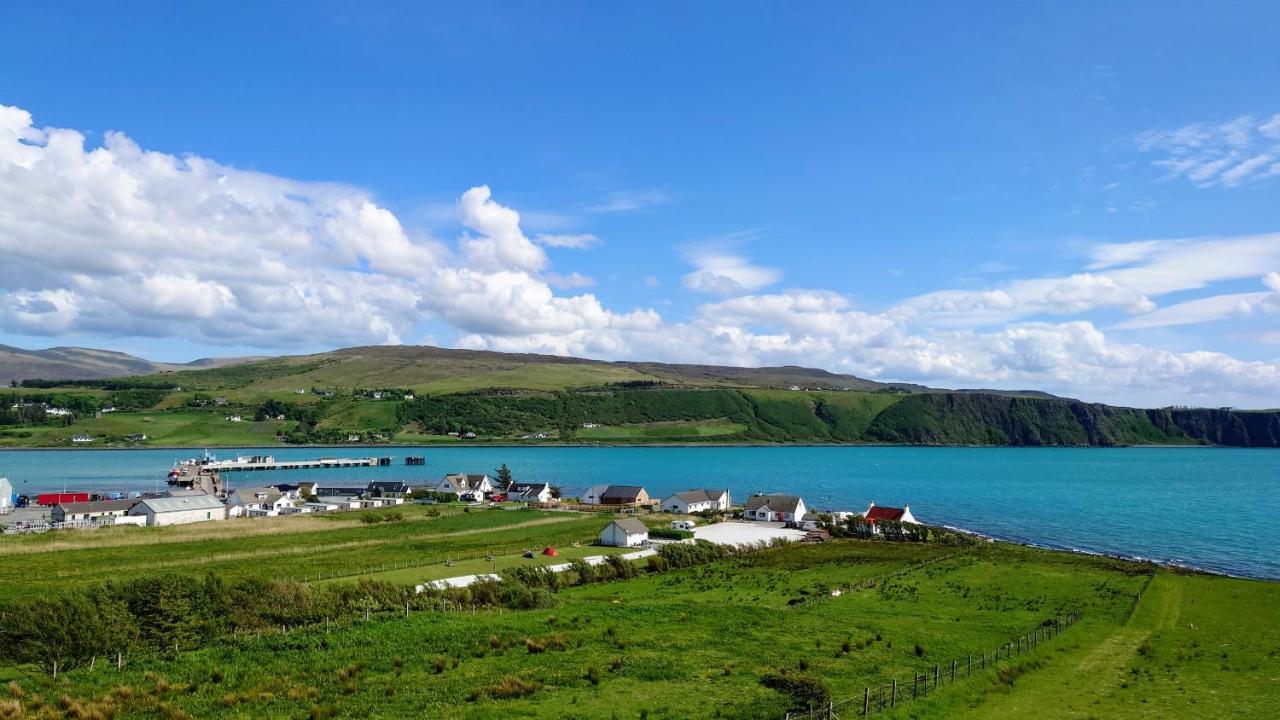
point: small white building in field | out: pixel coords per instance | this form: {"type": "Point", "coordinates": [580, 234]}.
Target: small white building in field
{"type": "Point", "coordinates": [180, 510]}
{"type": "Point", "coordinates": [6, 495]}
{"type": "Point", "coordinates": [627, 532]}
{"type": "Point", "coordinates": [692, 501]}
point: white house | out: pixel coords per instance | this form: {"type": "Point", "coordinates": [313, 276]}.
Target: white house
{"type": "Point", "coordinates": [82, 439]}
{"type": "Point", "coordinates": [627, 532]}
{"type": "Point", "coordinates": [96, 511]}
{"type": "Point", "coordinates": [476, 486]}
{"type": "Point", "coordinates": [529, 492]}
{"type": "Point", "coordinates": [902, 515]}
{"type": "Point", "coordinates": [692, 501]}
{"type": "Point", "coordinates": [245, 500]}
{"type": "Point", "coordinates": [179, 510]}
{"type": "Point", "coordinates": [774, 508]}
{"type": "Point", "coordinates": [320, 506]}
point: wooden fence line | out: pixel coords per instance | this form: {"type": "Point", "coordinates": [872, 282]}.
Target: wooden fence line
{"type": "Point", "coordinates": [889, 695]}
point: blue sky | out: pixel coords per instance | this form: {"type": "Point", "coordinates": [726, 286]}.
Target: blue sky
{"type": "Point", "coordinates": [1079, 197]}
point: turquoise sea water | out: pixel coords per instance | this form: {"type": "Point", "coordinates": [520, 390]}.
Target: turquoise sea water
{"type": "Point", "coordinates": [1212, 508]}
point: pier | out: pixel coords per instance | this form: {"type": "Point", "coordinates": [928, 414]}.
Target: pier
{"type": "Point", "coordinates": [266, 462]}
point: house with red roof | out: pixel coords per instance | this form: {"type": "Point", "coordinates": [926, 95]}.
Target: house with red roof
{"type": "Point", "coordinates": [876, 514]}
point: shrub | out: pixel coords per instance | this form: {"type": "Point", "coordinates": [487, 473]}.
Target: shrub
{"type": "Point", "coordinates": [511, 687]}
{"type": "Point", "coordinates": [670, 534]}
{"type": "Point", "coordinates": [803, 689]}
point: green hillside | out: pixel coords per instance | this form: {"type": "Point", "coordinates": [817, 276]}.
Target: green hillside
{"type": "Point", "coordinates": [427, 395]}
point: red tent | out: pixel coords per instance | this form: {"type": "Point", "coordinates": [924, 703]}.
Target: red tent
{"type": "Point", "coordinates": [550, 551]}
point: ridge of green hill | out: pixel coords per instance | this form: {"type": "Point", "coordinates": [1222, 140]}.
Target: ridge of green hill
{"type": "Point", "coordinates": [418, 395]}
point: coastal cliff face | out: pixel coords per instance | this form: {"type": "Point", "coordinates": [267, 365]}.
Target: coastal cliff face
{"type": "Point", "coordinates": [917, 419]}
{"type": "Point", "coordinates": [956, 419]}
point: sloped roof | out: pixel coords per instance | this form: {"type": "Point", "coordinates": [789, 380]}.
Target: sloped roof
{"type": "Point", "coordinates": [622, 492]}
{"type": "Point", "coordinates": [98, 506]}
{"type": "Point", "coordinates": [776, 503]}
{"type": "Point", "coordinates": [249, 496]}
{"type": "Point", "coordinates": [697, 496]}
{"type": "Point", "coordinates": [178, 504]}
{"type": "Point", "coordinates": [885, 513]}
{"type": "Point", "coordinates": [631, 526]}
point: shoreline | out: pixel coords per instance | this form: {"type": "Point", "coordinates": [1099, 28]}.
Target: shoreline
{"type": "Point", "coordinates": [1167, 564]}
{"type": "Point", "coordinates": [589, 445]}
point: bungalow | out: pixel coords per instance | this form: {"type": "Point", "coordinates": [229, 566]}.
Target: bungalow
{"type": "Point", "coordinates": [692, 501]}
{"type": "Point", "coordinates": [624, 495]}
{"type": "Point", "coordinates": [875, 514]}
{"type": "Point", "coordinates": [258, 502]}
{"type": "Point", "coordinates": [774, 508]}
{"type": "Point", "coordinates": [179, 510]}
{"type": "Point", "coordinates": [81, 439]}
{"type": "Point", "coordinates": [95, 511]}
{"type": "Point", "coordinates": [627, 532]}
{"type": "Point", "coordinates": [135, 437]}
{"type": "Point", "coordinates": [529, 492]}
{"type": "Point", "coordinates": [320, 506]}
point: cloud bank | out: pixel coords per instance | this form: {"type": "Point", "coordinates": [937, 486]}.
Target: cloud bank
{"type": "Point", "coordinates": [117, 241]}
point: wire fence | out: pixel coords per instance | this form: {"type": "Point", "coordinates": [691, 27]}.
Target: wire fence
{"type": "Point", "coordinates": [883, 697]}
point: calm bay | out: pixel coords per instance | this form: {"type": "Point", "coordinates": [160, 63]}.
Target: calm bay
{"type": "Point", "coordinates": [1215, 509]}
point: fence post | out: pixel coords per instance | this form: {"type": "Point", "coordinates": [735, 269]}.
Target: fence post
{"type": "Point", "coordinates": [55, 669]}
{"type": "Point", "coordinates": [937, 673]}
{"type": "Point", "coordinates": [953, 670]}
{"type": "Point", "coordinates": [969, 672]}
{"type": "Point", "coordinates": [893, 699]}
{"type": "Point", "coordinates": [866, 702]}
{"type": "Point", "coordinates": [119, 661]}
{"type": "Point", "coordinates": [915, 685]}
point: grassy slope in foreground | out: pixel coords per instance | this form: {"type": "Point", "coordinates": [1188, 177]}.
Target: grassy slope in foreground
{"type": "Point", "coordinates": [691, 643]}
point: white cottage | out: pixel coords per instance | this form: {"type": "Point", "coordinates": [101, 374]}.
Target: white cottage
{"type": "Point", "coordinates": [179, 510]}
{"type": "Point", "coordinates": [627, 532]}
{"type": "Point", "coordinates": [774, 508]}
{"type": "Point", "coordinates": [692, 501]}
{"type": "Point", "coordinates": [529, 492]}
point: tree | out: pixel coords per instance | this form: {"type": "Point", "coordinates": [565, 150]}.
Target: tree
{"type": "Point", "coordinates": [505, 478]}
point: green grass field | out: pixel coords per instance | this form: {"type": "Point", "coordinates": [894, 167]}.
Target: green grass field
{"type": "Point", "coordinates": [671, 431]}
{"type": "Point", "coordinates": [689, 643]}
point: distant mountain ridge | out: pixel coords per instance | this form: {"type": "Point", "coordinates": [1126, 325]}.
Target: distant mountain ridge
{"type": "Point", "coordinates": [77, 363]}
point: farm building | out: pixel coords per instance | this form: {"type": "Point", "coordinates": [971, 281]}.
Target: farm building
{"type": "Point", "coordinates": [179, 510]}
{"type": "Point", "coordinates": [620, 496]}
{"type": "Point", "coordinates": [692, 501]}
{"type": "Point", "coordinates": [774, 508]}
{"type": "Point", "coordinates": [98, 510]}
{"type": "Point", "coordinates": [627, 532]}
{"type": "Point", "coordinates": [529, 492]}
